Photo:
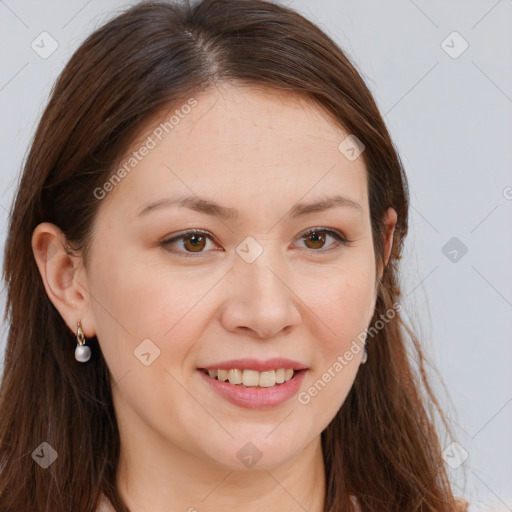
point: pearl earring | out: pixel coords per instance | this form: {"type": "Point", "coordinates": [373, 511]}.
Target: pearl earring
{"type": "Point", "coordinates": [364, 357]}
{"type": "Point", "coordinates": [82, 351]}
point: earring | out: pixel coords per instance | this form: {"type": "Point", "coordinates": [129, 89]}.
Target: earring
{"type": "Point", "coordinates": [364, 357]}
{"type": "Point", "coordinates": [82, 351]}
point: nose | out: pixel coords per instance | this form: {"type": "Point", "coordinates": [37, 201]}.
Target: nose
{"type": "Point", "coordinates": [261, 300]}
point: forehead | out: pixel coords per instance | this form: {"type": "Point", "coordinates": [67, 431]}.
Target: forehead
{"type": "Point", "coordinates": [244, 143]}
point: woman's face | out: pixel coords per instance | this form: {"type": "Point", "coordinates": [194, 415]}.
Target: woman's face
{"type": "Point", "coordinates": [253, 285]}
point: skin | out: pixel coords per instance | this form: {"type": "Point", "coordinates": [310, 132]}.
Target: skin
{"type": "Point", "coordinates": [261, 152]}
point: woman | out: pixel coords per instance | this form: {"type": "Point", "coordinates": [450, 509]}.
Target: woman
{"type": "Point", "coordinates": [202, 275]}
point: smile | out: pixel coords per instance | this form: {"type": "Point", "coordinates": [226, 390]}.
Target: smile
{"type": "Point", "coordinates": [263, 389]}
{"type": "Point", "coordinates": [252, 378]}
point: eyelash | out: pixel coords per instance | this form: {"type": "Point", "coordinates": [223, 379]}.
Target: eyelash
{"type": "Point", "coordinates": [341, 241]}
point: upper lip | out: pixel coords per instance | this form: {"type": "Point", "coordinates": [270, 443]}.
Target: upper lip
{"type": "Point", "coordinates": [255, 364]}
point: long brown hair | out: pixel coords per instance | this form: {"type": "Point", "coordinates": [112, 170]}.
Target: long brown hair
{"type": "Point", "coordinates": [382, 445]}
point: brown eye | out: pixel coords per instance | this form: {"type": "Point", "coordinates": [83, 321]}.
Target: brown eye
{"type": "Point", "coordinates": [317, 239]}
{"type": "Point", "coordinates": [194, 242]}
{"type": "Point", "coordinates": [188, 244]}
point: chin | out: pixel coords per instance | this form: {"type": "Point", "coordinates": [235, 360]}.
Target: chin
{"type": "Point", "coordinates": [257, 452]}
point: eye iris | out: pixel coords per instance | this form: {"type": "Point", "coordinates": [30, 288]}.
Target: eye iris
{"type": "Point", "coordinates": [198, 242]}
{"type": "Point", "coordinates": [318, 238]}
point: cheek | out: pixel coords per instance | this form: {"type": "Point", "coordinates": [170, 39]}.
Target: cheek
{"type": "Point", "coordinates": [342, 304]}
{"type": "Point", "coordinates": [145, 298]}
{"type": "Point", "coordinates": [146, 308]}
{"type": "Point", "coordinates": [343, 309]}
{"type": "Point", "coordinates": [134, 302]}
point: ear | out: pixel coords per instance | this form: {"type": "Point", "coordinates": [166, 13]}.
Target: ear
{"type": "Point", "coordinates": [64, 277]}
{"type": "Point", "coordinates": [389, 222]}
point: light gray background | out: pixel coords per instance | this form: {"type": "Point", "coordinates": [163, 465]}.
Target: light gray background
{"type": "Point", "coordinates": [451, 119]}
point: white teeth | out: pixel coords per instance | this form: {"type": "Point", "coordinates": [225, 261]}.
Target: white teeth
{"type": "Point", "coordinates": [268, 379]}
{"type": "Point", "coordinates": [235, 376]}
{"type": "Point", "coordinates": [222, 375]}
{"type": "Point", "coordinates": [253, 378]}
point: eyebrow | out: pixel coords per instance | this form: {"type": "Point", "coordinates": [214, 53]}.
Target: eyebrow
{"type": "Point", "coordinates": [211, 208]}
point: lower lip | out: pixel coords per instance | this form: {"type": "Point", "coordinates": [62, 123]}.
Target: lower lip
{"type": "Point", "coordinates": [256, 397]}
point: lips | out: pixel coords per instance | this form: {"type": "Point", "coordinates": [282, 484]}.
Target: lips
{"type": "Point", "coordinates": [255, 397]}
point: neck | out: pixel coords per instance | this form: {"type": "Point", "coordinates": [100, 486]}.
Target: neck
{"type": "Point", "coordinates": [156, 476]}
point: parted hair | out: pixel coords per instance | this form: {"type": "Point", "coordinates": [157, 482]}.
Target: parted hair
{"type": "Point", "coordinates": [383, 445]}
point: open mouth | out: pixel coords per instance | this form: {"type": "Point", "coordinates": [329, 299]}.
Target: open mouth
{"type": "Point", "coordinates": [253, 378]}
